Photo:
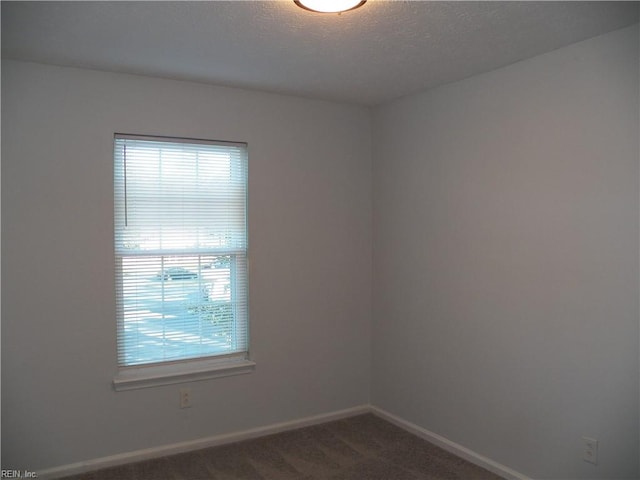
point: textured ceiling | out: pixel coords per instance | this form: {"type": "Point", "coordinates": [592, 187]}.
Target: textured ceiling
{"type": "Point", "coordinates": [379, 52]}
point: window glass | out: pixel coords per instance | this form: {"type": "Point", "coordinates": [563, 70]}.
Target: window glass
{"type": "Point", "coordinates": [180, 249]}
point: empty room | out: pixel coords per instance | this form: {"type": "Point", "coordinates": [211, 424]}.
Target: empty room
{"type": "Point", "coordinates": [279, 240]}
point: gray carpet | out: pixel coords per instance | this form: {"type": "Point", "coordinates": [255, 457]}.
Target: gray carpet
{"type": "Point", "coordinates": [363, 447]}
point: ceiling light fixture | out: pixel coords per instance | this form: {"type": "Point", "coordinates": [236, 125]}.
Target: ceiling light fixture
{"type": "Point", "coordinates": [329, 6]}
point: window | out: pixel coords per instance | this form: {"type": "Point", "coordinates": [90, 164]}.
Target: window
{"type": "Point", "coordinates": [180, 252]}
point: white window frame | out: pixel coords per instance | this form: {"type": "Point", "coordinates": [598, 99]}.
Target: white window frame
{"type": "Point", "coordinates": [181, 370]}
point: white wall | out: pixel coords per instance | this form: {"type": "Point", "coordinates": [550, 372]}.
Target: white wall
{"type": "Point", "coordinates": [506, 260]}
{"type": "Point", "coordinates": [310, 248]}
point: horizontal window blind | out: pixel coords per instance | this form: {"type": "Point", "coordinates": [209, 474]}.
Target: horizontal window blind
{"type": "Point", "coordinates": [180, 249]}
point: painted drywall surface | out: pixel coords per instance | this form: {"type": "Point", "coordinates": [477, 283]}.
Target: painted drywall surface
{"type": "Point", "coordinates": [310, 235]}
{"type": "Point", "coordinates": [506, 260]}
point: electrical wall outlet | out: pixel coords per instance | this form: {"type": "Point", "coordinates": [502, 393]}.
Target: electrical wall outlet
{"type": "Point", "coordinates": [590, 451]}
{"type": "Point", "coordinates": [185, 398]}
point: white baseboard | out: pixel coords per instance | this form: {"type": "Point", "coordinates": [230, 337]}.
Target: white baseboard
{"type": "Point", "coordinates": [450, 446]}
{"type": "Point", "coordinates": [182, 447]}
{"type": "Point", "coordinates": [216, 440]}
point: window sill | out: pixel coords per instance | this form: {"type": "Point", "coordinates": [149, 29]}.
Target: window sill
{"type": "Point", "coordinates": [156, 375]}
